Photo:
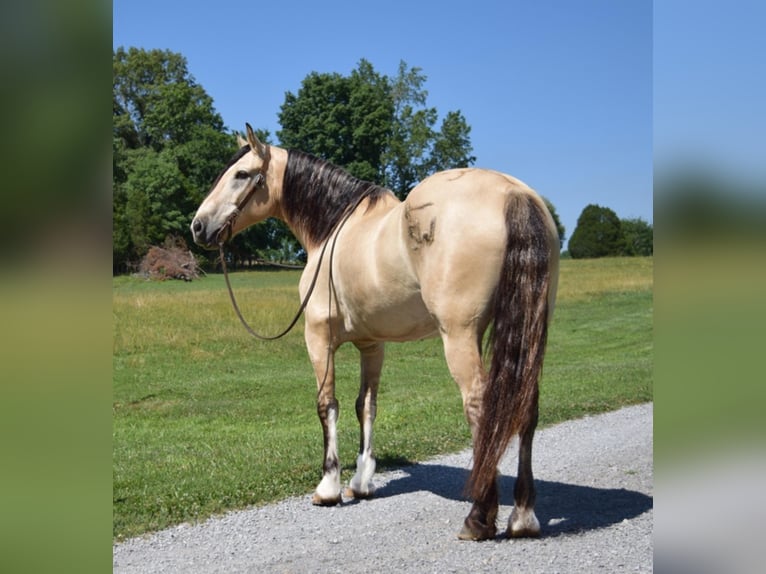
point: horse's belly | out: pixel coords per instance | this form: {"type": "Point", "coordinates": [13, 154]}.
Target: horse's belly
{"type": "Point", "coordinates": [390, 316]}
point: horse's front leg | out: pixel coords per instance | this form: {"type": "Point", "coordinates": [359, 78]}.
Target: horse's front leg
{"type": "Point", "coordinates": [322, 356]}
{"type": "Point", "coordinates": [361, 485]}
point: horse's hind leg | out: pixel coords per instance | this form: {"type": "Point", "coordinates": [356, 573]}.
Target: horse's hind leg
{"type": "Point", "coordinates": [361, 485]}
{"type": "Point", "coordinates": [463, 355]}
{"type": "Point", "coordinates": [523, 521]}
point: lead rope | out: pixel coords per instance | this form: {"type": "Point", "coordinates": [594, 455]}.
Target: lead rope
{"type": "Point", "coordinates": [305, 302]}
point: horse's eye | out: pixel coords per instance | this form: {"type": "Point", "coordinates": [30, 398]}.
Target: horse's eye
{"type": "Point", "coordinates": [242, 174]}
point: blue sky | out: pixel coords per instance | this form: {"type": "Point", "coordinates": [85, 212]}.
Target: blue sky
{"type": "Point", "coordinates": [710, 87]}
{"type": "Point", "coordinates": [557, 93]}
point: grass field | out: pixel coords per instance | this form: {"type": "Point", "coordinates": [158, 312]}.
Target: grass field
{"type": "Point", "coordinates": [208, 419]}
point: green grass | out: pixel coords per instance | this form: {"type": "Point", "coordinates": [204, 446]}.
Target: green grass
{"type": "Point", "coordinates": [208, 419]}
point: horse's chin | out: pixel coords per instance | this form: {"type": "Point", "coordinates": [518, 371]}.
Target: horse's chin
{"type": "Point", "coordinates": [208, 246]}
{"type": "Point", "coordinates": [207, 240]}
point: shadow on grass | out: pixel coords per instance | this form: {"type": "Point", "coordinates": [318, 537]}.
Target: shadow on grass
{"type": "Point", "coordinates": [561, 508]}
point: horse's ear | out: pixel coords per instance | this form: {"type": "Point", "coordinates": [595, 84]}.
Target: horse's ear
{"type": "Point", "coordinates": [254, 142]}
{"type": "Point", "coordinates": [241, 142]}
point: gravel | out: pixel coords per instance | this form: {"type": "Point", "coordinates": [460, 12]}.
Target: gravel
{"type": "Point", "coordinates": [594, 480]}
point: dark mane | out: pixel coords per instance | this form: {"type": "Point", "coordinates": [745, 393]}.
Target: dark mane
{"type": "Point", "coordinates": [316, 194]}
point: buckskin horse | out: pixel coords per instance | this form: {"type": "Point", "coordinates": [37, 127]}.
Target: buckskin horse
{"type": "Point", "coordinates": [468, 250]}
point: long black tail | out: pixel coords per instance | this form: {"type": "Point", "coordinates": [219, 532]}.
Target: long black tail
{"type": "Point", "coordinates": [517, 339]}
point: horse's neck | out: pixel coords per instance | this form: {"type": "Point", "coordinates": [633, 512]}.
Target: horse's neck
{"type": "Point", "coordinates": [275, 178]}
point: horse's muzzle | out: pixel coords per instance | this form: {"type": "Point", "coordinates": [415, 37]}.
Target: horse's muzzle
{"type": "Point", "coordinates": [202, 235]}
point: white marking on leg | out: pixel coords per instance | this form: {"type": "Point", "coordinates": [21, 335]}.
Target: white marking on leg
{"type": "Point", "coordinates": [329, 487]}
{"type": "Point", "coordinates": [361, 484]}
{"type": "Point", "coordinates": [523, 523]}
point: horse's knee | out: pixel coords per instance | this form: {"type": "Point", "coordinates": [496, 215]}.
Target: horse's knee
{"type": "Point", "coordinates": [327, 407]}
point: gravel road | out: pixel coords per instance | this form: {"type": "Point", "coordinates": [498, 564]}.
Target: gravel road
{"type": "Point", "coordinates": [594, 480]}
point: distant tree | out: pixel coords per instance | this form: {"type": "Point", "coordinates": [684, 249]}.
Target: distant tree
{"type": "Point", "coordinates": [168, 145]}
{"type": "Point", "coordinates": [377, 127]}
{"type": "Point", "coordinates": [638, 237]}
{"type": "Point", "coordinates": [598, 234]}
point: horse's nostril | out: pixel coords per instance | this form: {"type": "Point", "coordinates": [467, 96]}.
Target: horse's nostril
{"type": "Point", "coordinates": [196, 226]}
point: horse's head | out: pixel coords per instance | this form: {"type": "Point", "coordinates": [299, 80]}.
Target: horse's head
{"type": "Point", "coordinates": [240, 196]}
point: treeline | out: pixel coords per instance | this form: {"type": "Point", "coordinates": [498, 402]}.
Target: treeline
{"type": "Point", "coordinates": [169, 144]}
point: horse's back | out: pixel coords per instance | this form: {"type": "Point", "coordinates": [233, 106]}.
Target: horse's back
{"type": "Point", "coordinates": [415, 268]}
{"type": "Point", "coordinates": [468, 183]}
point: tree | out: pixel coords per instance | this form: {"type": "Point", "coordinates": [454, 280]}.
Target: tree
{"type": "Point", "coordinates": [376, 127]}
{"type": "Point", "coordinates": [168, 145]}
{"type": "Point", "coordinates": [598, 234]}
{"type": "Point", "coordinates": [638, 236]}
{"type": "Point", "coordinates": [406, 153]}
{"type": "Point", "coordinates": [156, 102]}
{"type": "Point", "coordinates": [345, 120]}
{"type": "Point", "coordinates": [154, 195]}
{"type": "Point", "coordinates": [452, 144]}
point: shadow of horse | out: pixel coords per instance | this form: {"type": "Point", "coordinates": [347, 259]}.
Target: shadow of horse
{"type": "Point", "coordinates": [561, 508]}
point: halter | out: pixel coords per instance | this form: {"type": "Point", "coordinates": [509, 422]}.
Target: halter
{"type": "Point", "coordinates": [227, 227]}
{"type": "Point", "coordinates": [259, 181]}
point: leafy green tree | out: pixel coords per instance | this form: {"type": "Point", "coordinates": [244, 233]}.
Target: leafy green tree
{"type": "Point", "coordinates": [406, 153]}
{"type": "Point", "coordinates": [168, 145]}
{"type": "Point", "coordinates": [452, 144]}
{"type": "Point", "coordinates": [377, 127]}
{"type": "Point", "coordinates": [638, 236]}
{"type": "Point", "coordinates": [598, 234]}
{"type": "Point", "coordinates": [154, 193]}
{"type": "Point", "coordinates": [156, 102]}
{"type": "Point", "coordinates": [345, 120]}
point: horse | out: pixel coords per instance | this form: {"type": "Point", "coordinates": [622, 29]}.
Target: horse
{"type": "Point", "coordinates": [469, 250]}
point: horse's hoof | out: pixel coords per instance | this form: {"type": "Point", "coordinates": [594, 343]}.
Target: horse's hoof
{"type": "Point", "coordinates": [523, 533]}
{"type": "Point", "coordinates": [351, 493]}
{"type": "Point", "coordinates": [473, 530]}
{"type": "Point", "coordinates": [523, 524]}
{"type": "Point", "coordinates": [317, 500]}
